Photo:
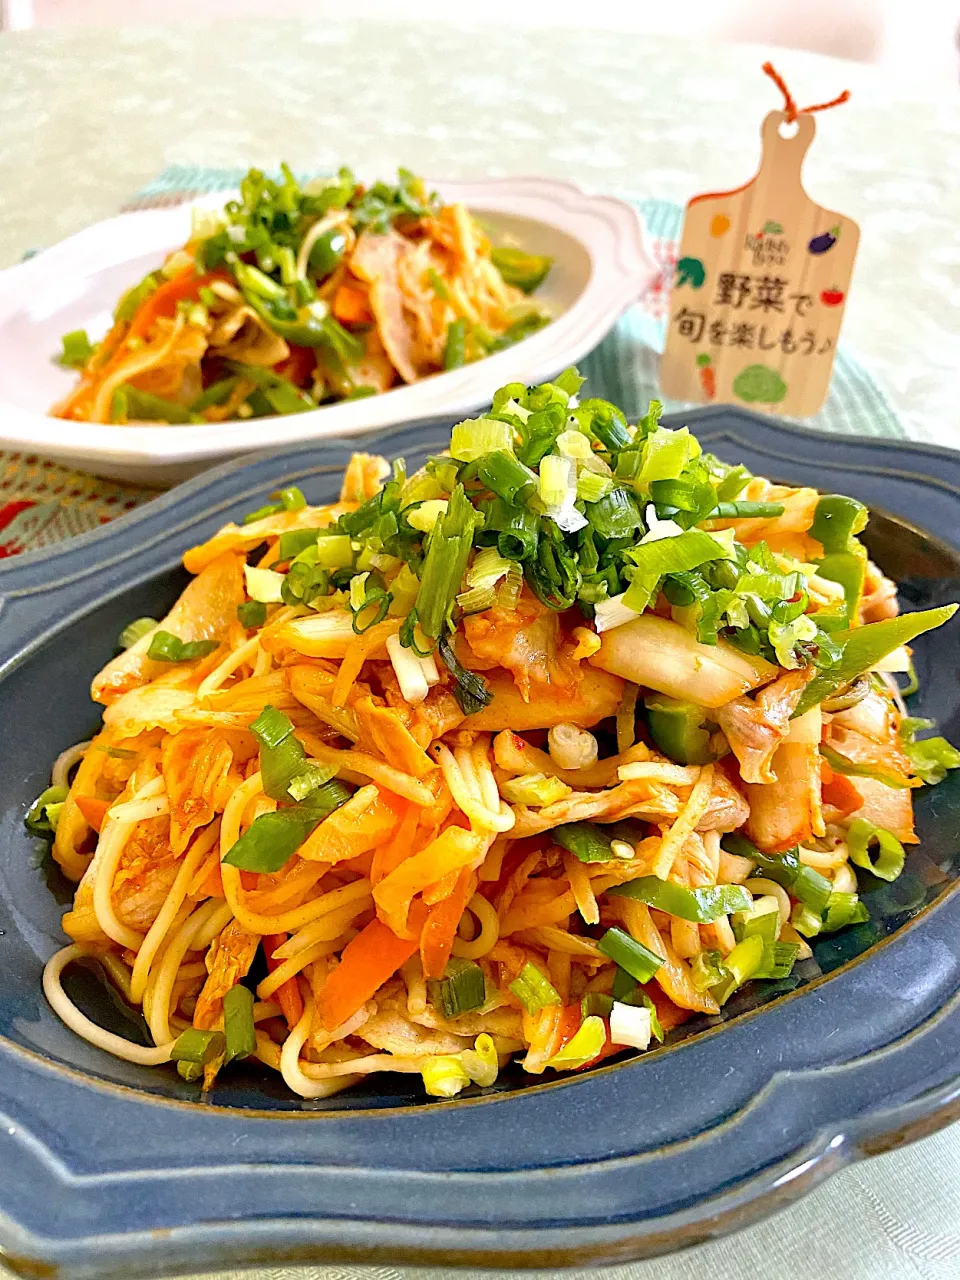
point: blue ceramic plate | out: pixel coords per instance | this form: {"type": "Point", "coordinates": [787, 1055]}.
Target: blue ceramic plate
{"type": "Point", "coordinates": [110, 1170]}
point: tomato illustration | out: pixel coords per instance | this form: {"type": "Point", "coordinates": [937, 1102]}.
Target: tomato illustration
{"type": "Point", "coordinates": [832, 297]}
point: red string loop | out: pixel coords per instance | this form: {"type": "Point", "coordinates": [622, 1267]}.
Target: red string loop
{"type": "Point", "coordinates": [789, 102]}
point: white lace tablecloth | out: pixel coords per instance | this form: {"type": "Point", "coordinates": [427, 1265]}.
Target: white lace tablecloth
{"type": "Point", "coordinates": [88, 117]}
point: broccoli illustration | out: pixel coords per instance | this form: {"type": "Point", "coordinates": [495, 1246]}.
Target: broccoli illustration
{"type": "Point", "coordinates": [691, 271]}
{"type": "Point", "coordinates": [759, 385]}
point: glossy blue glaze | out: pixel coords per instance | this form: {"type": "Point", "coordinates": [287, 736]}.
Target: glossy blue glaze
{"type": "Point", "coordinates": [111, 1170]}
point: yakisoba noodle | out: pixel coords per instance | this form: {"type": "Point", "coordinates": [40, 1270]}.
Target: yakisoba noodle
{"type": "Point", "coordinates": [531, 755]}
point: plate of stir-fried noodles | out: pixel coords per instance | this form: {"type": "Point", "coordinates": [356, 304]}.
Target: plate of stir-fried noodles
{"type": "Point", "coordinates": [536, 849]}
{"type": "Point", "coordinates": [291, 310]}
{"type": "Point", "coordinates": [526, 756]}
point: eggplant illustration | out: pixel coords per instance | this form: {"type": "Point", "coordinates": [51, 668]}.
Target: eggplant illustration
{"type": "Point", "coordinates": [825, 241]}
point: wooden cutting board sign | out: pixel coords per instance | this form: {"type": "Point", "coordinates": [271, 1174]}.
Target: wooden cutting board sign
{"type": "Point", "coordinates": [761, 282]}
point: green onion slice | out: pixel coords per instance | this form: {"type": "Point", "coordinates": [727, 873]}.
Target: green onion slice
{"type": "Point", "coordinates": [77, 349]}
{"type": "Point", "coordinates": [135, 631]}
{"type": "Point", "coordinates": [241, 1038]}
{"type": "Point", "coordinates": [863, 837]}
{"type": "Point", "coordinates": [633, 956]}
{"type": "Point", "coordinates": [200, 1047]}
{"type": "Point", "coordinates": [166, 647]}
{"type": "Point", "coordinates": [596, 1004]}
{"type": "Point", "coordinates": [534, 990]}
{"type": "Point", "coordinates": [582, 1047]}
{"type": "Point", "coordinates": [273, 838]}
{"type": "Point", "coordinates": [469, 689]}
{"type": "Point", "coordinates": [42, 816]}
{"type": "Point", "coordinates": [252, 613]}
{"type": "Point", "coordinates": [462, 987]}
{"type": "Point", "coordinates": [930, 758]}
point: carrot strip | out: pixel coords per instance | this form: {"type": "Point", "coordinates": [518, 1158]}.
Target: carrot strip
{"type": "Point", "coordinates": [357, 654]}
{"type": "Point", "coordinates": [836, 790]}
{"type": "Point", "coordinates": [669, 1014]}
{"type": "Point", "coordinates": [208, 883]}
{"type": "Point", "coordinates": [351, 306]}
{"type": "Point", "coordinates": [94, 811]}
{"type": "Point", "coordinates": [288, 995]}
{"type": "Point", "coordinates": [452, 850]}
{"type": "Point", "coordinates": [368, 960]}
{"type": "Point", "coordinates": [391, 853]}
{"type": "Point", "coordinates": [163, 301]}
{"type": "Point", "coordinates": [436, 940]}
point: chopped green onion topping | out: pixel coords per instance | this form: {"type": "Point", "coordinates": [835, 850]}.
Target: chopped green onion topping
{"type": "Point", "coordinates": [534, 990]}
{"type": "Point", "coordinates": [241, 1038]}
{"type": "Point", "coordinates": [454, 349]}
{"type": "Point", "coordinates": [633, 956]}
{"type": "Point", "coordinates": [166, 647]}
{"type": "Point", "coordinates": [930, 758]}
{"type": "Point", "coordinates": [778, 960]}
{"type": "Point", "coordinates": [462, 987]}
{"type": "Point", "coordinates": [746, 510]}
{"type": "Point", "coordinates": [843, 909]}
{"type": "Point", "coordinates": [43, 814]}
{"type": "Point", "coordinates": [582, 1047]}
{"type": "Point", "coordinates": [862, 837]}
{"type": "Point", "coordinates": [804, 883]}
{"type": "Point", "coordinates": [469, 689]}
{"type": "Point", "coordinates": [199, 1047]}
{"type": "Point", "coordinates": [77, 349]}
{"type": "Point", "coordinates": [742, 964]}
{"type": "Point", "coordinates": [252, 613]}
{"type": "Point", "coordinates": [445, 563]}
{"type": "Point", "coordinates": [135, 631]}
{"type": "Point", "coordinates": [273, 838]}
{"type": "Point", "coordinates": [596, 1004]}
{"type": "Point", "coordinates": [282, 758]}
{"type": "Point", "coordinates": [289, 499]}
{"type": "Point", "coordinates": [472, 439]}
{"type": "Point", "coordinates": [263, 585]}
{"type": "Point", "coordinates": [534, 790]}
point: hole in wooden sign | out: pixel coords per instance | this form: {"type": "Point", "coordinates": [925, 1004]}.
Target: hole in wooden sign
{"type": "Point", "coordinates": [788, 128]}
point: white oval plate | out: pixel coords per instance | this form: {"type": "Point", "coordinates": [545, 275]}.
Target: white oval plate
{"type": "Point", "coordinates": [601, 265]}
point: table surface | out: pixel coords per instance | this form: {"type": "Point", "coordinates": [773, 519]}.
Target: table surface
{"type": "Point", "coordinates": [90, 116]}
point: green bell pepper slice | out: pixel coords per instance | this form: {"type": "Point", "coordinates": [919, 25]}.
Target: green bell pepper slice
{"type": "Point", "coordinates": [679, 729]}
{"type": "Point", "coordinates": [836, 523]}
{"type": "Point", "coordinates": [863, 647]}
{"type": "Point", "coordinates": [306, 327]}
{"type": "Point", "coordinates": [837, 520]}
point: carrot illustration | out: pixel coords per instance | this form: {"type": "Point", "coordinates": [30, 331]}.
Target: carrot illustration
{"type": "Point", "coordinates": [708, 375]}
